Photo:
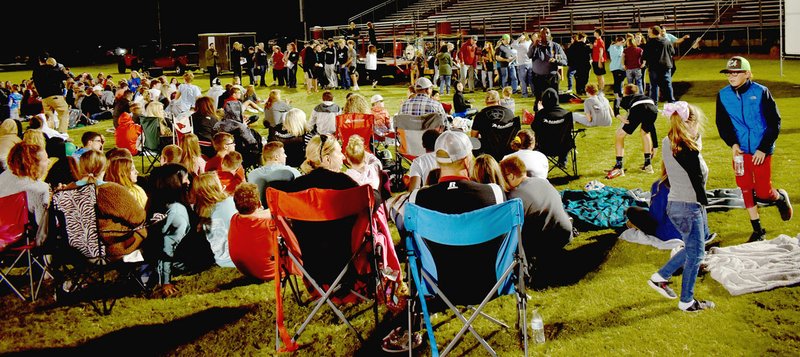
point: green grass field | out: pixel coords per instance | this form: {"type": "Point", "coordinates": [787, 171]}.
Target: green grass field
{"type": "Point", "coordinates": [597, 303]}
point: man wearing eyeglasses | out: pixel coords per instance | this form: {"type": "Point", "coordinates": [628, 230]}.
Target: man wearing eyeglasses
{"type": "Point", "coordinates": [91, 141]}
{"type": "Point", "coordinates": [749, 122]}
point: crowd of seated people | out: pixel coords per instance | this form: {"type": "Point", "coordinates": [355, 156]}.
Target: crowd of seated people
{"type": "Point", "coordinates": [211, 198]}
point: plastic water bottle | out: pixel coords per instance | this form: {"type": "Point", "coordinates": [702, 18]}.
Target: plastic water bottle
{"type": "Point", "coordinates": [537, 326]}
{"type": "Point", "coordinates": [738, 165]}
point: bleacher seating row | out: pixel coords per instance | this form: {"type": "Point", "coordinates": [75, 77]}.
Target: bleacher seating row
{"type": "Point", "coordinates": [492, 18]}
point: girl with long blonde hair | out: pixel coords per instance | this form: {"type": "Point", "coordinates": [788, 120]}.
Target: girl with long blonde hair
{"type": "Point", "coordinates": [191, 157]}
{"type": "Point", "coordinates": [486, 170]}
{"type": "Point", "coordinates": [215, 209]}
{"type": "Point", "coordinates": [122, 171]}
{"type": "Point", "coordinates": [275, 109]}
{"type": "Point", "coordinates": [356, 103]}
{"type": "Point", "coordinates": [155, 109]}
{"type": "Point", "coordinates": [688, 174]}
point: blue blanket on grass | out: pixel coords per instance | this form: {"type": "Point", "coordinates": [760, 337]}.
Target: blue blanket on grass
{"type": "Point", "coordinates": [602, 208]}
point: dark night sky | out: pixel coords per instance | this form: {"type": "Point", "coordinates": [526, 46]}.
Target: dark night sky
{"type": "Point", "coordinates": [90, 23]}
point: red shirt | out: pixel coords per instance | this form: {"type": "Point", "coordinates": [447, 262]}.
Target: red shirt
{"type": "Point", "coordinates": [214, 163]}
{"type": "Point", "coordinates": [467, 53]}
{"type": "Point", "coordinates": [277, 61]}
{"type": "Point", "coordinates": [633, 57]}
{"type": "Point", "coordinates": [598, 45]}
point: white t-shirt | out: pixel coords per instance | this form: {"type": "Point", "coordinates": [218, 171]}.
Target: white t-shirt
{"type": "Point", "coordinates": [189, 94]}
{"type": "Point", "coordinates": [535, 162]}
{"type": "Point", "coordinates": [599, 108]}
{"type": "Point", "coordinates": [371, 62]}
{"type": "Point", "coordinates": [422, 166]}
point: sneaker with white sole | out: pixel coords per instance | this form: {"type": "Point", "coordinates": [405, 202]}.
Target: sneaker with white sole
{"type": "Point", "coordinates": [662, 288]}
{"type": "Point", "coordinates": [699, 305]}
{"type": "Point", "coordinates": [784, 205]}
{"type": "Point", "coordinates": [615, 172]}
{"type": "Point", "coordinates": [648, 169]}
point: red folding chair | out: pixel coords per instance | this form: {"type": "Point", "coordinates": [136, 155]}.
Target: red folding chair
{"type": "Point", "coordinates": [16, 232]}
{"type": "Point", "coordinates": [332, 230]}
{"type": "Point", "coordinates": [355, 123]}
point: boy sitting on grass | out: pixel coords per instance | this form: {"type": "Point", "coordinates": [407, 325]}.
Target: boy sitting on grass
{"type": "Point", "coordinates": [231, 173]}
{"type": "Point", "coordinates": [223, 144]}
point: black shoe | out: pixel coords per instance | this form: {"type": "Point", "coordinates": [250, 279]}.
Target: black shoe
{"type": "Point", "coordinates": [699, 306]}
{"type": "Point", "coordinates": [784, 205]}
{"type": "Point", "coordinates": [758, 236]}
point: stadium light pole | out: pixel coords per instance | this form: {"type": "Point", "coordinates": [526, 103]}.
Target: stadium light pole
{"type": "Point", "coordinates": [780, 30]}
{"type": "Point", "coordinates": [158, 22]}
{"type": "Point", "coordinates": [303, 20]}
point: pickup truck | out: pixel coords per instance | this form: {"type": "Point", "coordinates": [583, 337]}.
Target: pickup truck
{"type": "Point", "coordinates": [179, 57]}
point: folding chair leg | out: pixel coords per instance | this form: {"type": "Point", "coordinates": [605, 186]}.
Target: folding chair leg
{"type": "Point", "coordinates": [324, 299]}
{"type": "Point", "coordinates": [409, 308]}
{"type": "Point", "coordinates": [4, 277]}
{"type": "Point", "coordinates": [488, 317]}
{"type": "Point", "coordinates": [522, 307]}
{"type": "Point", "coordinates": [467, 323]}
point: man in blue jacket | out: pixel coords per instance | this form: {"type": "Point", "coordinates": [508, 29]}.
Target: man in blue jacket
{"type": "Point", "coordinates": [749, 122]}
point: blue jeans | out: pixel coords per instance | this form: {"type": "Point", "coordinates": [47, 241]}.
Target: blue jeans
{"type": "Point", "coordinates": [487, 75]}
{"type": "Point", "coordinates": [503, 77]}
{"type": "Point", "coordinates": [344, 72]}
{"type": "Point", "coordinates": [661, 79]}
{"type": "Point", "coordinates": [635, 77]}
{"type": "Point", "coordinates": [570, 76]}
{"type": "Point", "coordinates": [525, 76]}
{"type": "Point", "coordinates": [444, 81]}
{"type": "Point", "coordinates": [514, 82]}
{"type": "Point", "coordinates": [691, 220]}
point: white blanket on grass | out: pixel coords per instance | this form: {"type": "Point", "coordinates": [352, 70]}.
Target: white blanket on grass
{"type": "Point", "coordinates": [636, 236]}
{"type": "Point", "coordinates": [756, 266]}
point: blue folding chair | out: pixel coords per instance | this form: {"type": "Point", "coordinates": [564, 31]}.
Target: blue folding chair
{"type": "Point", "coordinates": [467, 259]}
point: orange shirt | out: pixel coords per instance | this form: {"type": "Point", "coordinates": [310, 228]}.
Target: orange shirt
{"type": "Point", "coordinates": [231, 180]}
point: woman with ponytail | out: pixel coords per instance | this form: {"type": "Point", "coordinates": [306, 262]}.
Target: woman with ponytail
{"type": "Point", "coordinates": [524, 145]}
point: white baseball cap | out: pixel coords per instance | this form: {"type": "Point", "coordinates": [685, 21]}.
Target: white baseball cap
{"type": "Point", "coordinates": [452, 146]}
{"type": "Point", "coordinates": [376, 98]}
{"type": "Point", "coordinates": [423, 83]}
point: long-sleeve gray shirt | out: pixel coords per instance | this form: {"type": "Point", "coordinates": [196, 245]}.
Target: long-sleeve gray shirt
{"type": "Point", "coordinates": [546, 221]}
{"type": "Point", "coordinates": [687, 173]}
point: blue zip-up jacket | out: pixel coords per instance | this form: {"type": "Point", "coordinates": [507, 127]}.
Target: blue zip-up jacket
{"type": "Point", "coordinates": [748, 116]}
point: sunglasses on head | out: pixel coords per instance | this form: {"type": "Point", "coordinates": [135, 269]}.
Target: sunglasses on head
{"type": "Point", "coordinates": [322, 140]}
